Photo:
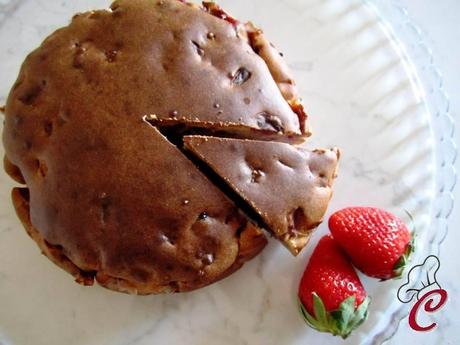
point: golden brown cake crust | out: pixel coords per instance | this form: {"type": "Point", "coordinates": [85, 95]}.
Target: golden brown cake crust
{"type": "Point", "coordinates": [288, 186]}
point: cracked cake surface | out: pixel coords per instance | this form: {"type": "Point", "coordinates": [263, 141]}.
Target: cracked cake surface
{"type": "Point", "coordinates": [288, 186]}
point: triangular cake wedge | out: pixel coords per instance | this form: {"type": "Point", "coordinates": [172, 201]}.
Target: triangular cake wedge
{"type": "Point", "coordinates": [288, 186]}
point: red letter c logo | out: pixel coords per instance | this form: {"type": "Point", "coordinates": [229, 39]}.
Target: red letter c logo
{"type": "Point", "coordinates": [429, 308]}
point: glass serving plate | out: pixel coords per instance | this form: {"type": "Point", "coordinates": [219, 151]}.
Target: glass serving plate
{"type": "Point", "coordinates": [370, 86]}
{"type": "Point", "coordinates": [419, 58]}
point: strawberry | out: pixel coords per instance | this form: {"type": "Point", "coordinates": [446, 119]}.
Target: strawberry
{"type": "Point", "coordinates": [331, 296]}
{"type": "Point", "coordinates": [378, 243]}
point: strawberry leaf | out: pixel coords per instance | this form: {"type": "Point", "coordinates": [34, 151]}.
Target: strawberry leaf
{"type": "Point", "coordinates": [308, 318]}
{"type": "Point", "coordinates": [398, 268]}
{"type": "Point", "coordinates": [337, 322]}
{"type": "Point", "coordinates": [319, 309]}
{"type": "Point", "coordinates": [344, 314]}
{"type": "Point", "coordinates": [361, 313]}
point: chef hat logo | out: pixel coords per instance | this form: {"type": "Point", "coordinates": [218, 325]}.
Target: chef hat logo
{"type": "Point", "coordinates": [420, 280]}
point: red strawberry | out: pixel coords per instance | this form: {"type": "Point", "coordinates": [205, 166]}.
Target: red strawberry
{"type": "Point", "coordinates": [378, 243]}
{"type": "Point", "coordinates": [332, 298]}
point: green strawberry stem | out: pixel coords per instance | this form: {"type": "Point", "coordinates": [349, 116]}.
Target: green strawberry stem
{"type": "Point", "coordinates": [337, 322]}
{"type": "Point", "coordinates": [402, 262]}
{"type": "Point", "coordinates": [404, 259]}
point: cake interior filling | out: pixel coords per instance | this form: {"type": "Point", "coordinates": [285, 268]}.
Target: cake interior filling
{"type": "Point", "coordinates": [173, 128]}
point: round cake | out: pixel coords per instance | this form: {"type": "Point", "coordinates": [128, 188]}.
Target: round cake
{"type": "Point", "coordinates": [106, 194]}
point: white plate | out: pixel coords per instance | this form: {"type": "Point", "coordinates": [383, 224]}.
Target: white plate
{"type": "Point", "coordinates": [363, 95]}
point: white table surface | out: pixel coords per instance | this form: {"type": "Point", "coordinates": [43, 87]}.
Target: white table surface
{"type": "Point", "coordinates": [439, 20]}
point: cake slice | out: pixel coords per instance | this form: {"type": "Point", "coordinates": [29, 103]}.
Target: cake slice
{"type": "Point", "coordinates": [288, 186]}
